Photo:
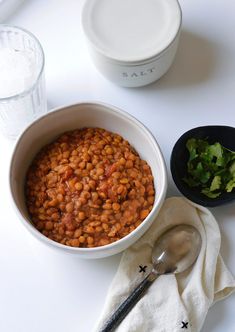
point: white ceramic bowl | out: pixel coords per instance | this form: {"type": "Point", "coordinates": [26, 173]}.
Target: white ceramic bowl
{"type": "Point", "coordinates": [49, 126]}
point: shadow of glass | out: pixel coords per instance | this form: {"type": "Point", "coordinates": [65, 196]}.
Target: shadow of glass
{"type": "Point", "coordinates": [194, 63]}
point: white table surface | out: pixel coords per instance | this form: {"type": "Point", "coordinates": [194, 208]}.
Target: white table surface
{"type": "Point", "coordinates": [41, 290]}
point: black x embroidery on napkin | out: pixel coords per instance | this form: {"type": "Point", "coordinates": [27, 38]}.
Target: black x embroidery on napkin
{"type": "Point", "coordinates": [184, 325]}
{"type": "Point", "coordinates": [142, 268]}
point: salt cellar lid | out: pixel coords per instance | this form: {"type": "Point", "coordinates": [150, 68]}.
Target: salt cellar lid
{"type": "Point", "coordinates": [131, 30]}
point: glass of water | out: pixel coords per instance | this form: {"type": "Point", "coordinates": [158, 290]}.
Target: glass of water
{"type": "Point", "coordinates": [22, 84]}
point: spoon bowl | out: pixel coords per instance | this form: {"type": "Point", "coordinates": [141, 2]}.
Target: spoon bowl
{"type": "Point", "coordinates": [176, 250]}
{"type": "Point", "coordinates": [225, 135]}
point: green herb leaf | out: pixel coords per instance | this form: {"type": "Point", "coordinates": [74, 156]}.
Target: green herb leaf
{"type": "Point", "coordinates": [216, 150]}
{"type": "Point", "coordinates": [192, 146]}
{"type": "Point", "coordinates": [210, 194]}
{"type": "Point", "coordinates": [230, 185]}
{"type": "Point", "coordinates": [232, 169]}
{"type": "Point", "coordinates": [210, 166]}
{"type": "Point", "coordinates": [216, 183]}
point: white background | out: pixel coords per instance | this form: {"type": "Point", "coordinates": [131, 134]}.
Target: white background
{"type": "Point", "coordinates": [41, 290]}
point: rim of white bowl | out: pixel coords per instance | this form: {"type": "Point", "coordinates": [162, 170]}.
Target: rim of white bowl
{"type": "Point", "coordinates": [114, 110]}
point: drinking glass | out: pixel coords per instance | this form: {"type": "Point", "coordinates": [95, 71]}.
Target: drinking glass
{"type": "Point", "coordinates": [17, 111]}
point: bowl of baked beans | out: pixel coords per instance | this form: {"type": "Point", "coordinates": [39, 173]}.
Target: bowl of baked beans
{"type": "Point", "coordinates": [87, 179]}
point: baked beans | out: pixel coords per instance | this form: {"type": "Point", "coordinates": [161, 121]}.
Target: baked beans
{"type": "Point", "coordinates": [88, 188]}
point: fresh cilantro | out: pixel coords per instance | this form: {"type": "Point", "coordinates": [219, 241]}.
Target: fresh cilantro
{"type": "Point", "coordinates": [209, 193]}
{"type": "Point", "coordinates": [210, 167]}
{"type": "Point", "coordinates": [216, 183]}
{"type": "Point", "coordinates": [230, 185]}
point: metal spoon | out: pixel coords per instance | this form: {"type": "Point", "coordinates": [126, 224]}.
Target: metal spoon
{"type": "Point", "coordinates": [174, 252]}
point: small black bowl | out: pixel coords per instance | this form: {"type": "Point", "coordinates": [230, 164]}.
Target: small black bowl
{"type": "Point", "coordinates": [179, 158]}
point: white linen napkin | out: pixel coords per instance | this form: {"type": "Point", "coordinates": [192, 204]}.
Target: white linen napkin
{"type": "Point", "coordinates": [173, 303]}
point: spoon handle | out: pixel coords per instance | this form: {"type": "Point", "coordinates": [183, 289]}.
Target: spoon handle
{"type": "Point", "coordinates": [124, 308]}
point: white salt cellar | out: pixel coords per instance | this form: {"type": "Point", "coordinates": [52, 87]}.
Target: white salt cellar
{"type": "Point", "coordinates": [132, 42]}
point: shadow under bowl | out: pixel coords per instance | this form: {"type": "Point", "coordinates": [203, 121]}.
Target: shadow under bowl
{"type": "Point", "coordinates": [225, 135]}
